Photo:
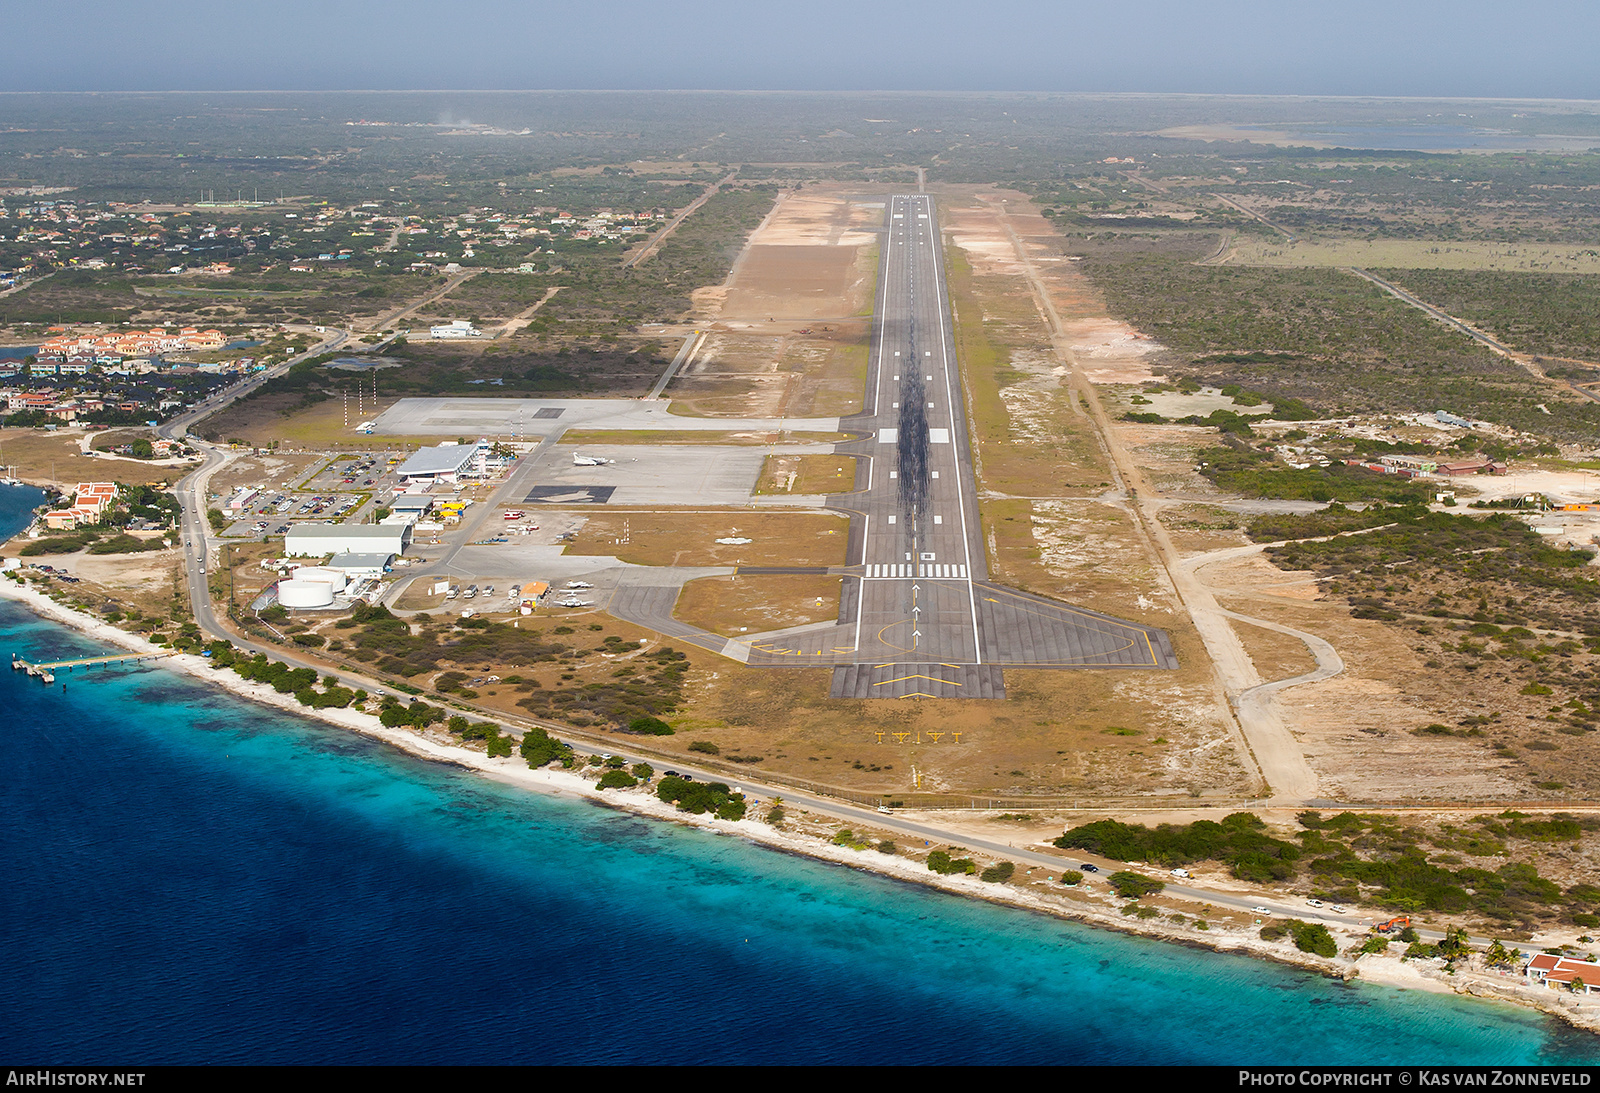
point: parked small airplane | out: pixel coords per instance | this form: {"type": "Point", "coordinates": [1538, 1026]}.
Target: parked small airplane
{"type": "Point", "coordinates": [590, 461]}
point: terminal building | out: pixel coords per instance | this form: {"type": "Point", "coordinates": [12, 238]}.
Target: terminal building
{"type": "Point", "coordinates": [442, 463]}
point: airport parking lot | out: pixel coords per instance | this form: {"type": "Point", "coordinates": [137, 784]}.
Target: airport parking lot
{"type": "Point", "coordinates": [337, 491]}
{"type": "Point", "coordinates": [368, 471]}
{"type": "Point", "coordinates": [271, 512]}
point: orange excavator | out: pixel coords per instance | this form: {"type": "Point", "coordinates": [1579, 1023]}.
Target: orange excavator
{"type": "Point", "coordinates": [1399, 922]}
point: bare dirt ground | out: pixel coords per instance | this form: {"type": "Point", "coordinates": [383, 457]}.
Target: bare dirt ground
{"type": "Point", "coordinates": [1350, 735]}
{"type": "Point", "coordinates": [261, 472]}
{"type": "Point", "coordinates": [48, 458]}
{"type": "Point", "coordinates": [146, 581]}
{"type": "Point", "coordinates": [1103, 348]}
{"type": "Point", "coordinates": [788, 328]}
{"type": "Point", "coordinates": [1356, 727]}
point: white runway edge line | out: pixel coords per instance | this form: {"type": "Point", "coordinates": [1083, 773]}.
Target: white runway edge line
{"type": "Point", "coordinates": [949, 394]}
{"type": "Point", "coordinates": [877, 386]}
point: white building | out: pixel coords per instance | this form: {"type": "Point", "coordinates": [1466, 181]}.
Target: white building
{"type": "Point", "coordinates": [456, 328]}
{"type": "Point", "coordinates": [444, 463]}
{"type": "Point", "coordinates": [315, 540]}
{"type": "Point", "coordinates": [359, 566]}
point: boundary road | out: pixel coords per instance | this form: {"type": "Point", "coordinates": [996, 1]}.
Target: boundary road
{"type": "Point", "coordinates": [650, 248]}
{"type": "Point", "coordinates": [1263, 740]}
{"type": "Point", "coordinates": [1466, 328]}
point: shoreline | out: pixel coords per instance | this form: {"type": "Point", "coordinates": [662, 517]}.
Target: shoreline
{"type": "Point", "coordinates": [1095, 909]}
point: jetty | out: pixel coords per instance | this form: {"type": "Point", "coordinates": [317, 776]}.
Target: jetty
{"type": "Point", "coordinates": [47, 671]}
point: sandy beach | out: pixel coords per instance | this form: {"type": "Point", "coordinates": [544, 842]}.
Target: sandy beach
{"type": "Point", "coordinates": [1098, 907]}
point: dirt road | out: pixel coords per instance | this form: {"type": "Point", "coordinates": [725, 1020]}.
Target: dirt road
{"type": "Point", "coordinates": [1278, 757]}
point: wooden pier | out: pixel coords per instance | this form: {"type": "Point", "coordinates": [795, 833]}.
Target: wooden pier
{"type": "Point", "coordinates": [47, 671]}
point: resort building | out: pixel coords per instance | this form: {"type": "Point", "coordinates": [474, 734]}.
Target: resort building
{"type": "Point", "coordinates": [91, 500]}
{"type": "Point", "coordinates": [1563, 972]}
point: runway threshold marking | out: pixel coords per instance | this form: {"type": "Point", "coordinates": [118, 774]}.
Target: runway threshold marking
{"type": "Point", "coordinates": [919, 675]}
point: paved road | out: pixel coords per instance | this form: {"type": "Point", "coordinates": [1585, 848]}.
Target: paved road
{"type": "Point", "coordinates": [192, 491]}
{"type": "Point", "coordinates": [1252, 214]}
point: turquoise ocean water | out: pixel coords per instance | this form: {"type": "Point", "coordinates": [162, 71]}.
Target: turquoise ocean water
{"type": "Point", "coordinates": [191, 878]}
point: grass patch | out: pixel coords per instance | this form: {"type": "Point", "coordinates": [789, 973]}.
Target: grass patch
{"type": "Point", "coordinates": [777, 538]}
{"type": "Point", "coordinates": [807, 474]}
{"type": "Point", "coordinates": [733, 606]}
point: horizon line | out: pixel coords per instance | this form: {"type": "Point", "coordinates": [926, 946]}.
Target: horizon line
{"type": "Point", "coordinates": [1369, 96]}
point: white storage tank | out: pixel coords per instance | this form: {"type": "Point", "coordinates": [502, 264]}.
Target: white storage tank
{"type": "Point", "coordinates": [302, 593]}
{"type": "Point", "coordinates": [333, 577]}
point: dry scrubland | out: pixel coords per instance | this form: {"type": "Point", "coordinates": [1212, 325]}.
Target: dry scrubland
{"type": "Point", "coordinates": [786, 336]}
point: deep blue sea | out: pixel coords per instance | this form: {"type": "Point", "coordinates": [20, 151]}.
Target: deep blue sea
{"type": "Point", "coordinates": [16, 508]}
{"type": "Point", "coordinates": [190, 878]}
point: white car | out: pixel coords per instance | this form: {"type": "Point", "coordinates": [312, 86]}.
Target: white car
{"type": "Point", "coordinates": [1313, 903]}
{"type": "Point", "coordinates": [1260, 911]}
{"type": "Point", "coordinates": [1184, 873]}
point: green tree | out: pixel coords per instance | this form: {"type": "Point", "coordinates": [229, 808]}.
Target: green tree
{"type": "Point", "coordinates": [616, 779]}
{"type": "Point", "coordinates": [1131, 885]}
{"type": "Point", "coordinates": [1454, 946]}
{"type": "Point", "coordinates": [539, 748]}
{"type": "Point", "coordinates": [1498, 956]}
{"type": "Point", "coordinates": [1313, 937]}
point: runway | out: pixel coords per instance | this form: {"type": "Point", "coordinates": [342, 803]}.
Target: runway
{"type": "Point", "coordinates": [920, 617]}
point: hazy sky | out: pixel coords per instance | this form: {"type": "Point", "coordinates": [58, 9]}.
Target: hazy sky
{"type": "Point", "coordinates": [1536, 48]}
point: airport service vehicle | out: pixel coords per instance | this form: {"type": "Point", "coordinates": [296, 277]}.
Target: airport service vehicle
{"type": "Point", "coordinates": [579, 584]}
{"type": "Point", "coordinates": [472, 590]}
{"type": "Point", "coordinates": [488, 590]}
{"type": "Point", "coordinates": [590, 461]}
{"type": "Point", "coordinates": [453, 593]}
{"type": "Point", "coordinates": [513, 514]}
